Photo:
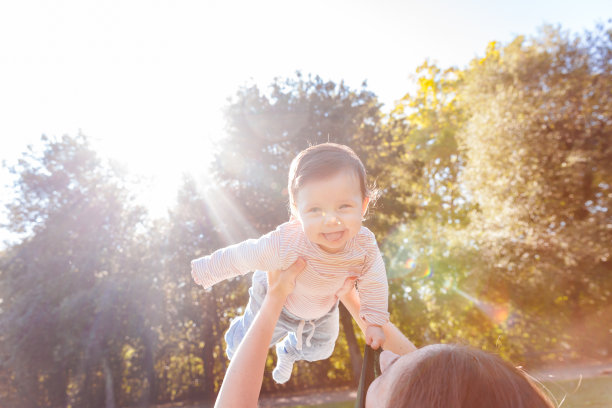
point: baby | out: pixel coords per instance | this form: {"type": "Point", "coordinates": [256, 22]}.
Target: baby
{"type": "Point", "coordinates": [329, 197]}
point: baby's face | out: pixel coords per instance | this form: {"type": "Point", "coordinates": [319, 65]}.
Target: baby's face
{"type": "Point", "coordinates": [331, 210]}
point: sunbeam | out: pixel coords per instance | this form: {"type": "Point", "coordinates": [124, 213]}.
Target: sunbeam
{"type": "Point", "coordinates": [497, 313]}
{"type": "Point", "coordinates": [227, 218]}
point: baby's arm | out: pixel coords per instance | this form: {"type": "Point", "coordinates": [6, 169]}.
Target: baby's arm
{"type": "Point", "coordinates": [373, 293]}
{"type": "Point", "coordinates": [375, 336]}
{"type": "Point", "coordinates": [395, 340]}
{"type": "Point", "coordinates": [249, 255]}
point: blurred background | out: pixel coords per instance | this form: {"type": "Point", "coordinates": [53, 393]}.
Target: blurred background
{"type": "Point", "coordinates": [136, 136]}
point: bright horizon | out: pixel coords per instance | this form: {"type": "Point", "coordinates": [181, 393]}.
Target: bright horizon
{"type": "Point", "coordinates": [147, 80]}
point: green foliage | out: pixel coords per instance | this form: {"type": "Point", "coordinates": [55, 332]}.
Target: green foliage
{"type": "Point", "coordinates": [191, 340]}
{"type": "Point", "coordinates": [72, 288]}
{"type": "Point", "coordinates": [494, 221]}
{"type": "Point", "coordinates": [538, 154]}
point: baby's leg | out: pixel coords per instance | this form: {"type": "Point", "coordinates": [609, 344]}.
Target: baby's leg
{"type": "Point", "coordinates": [286, 354]}
{"type": "Point", "coordinates": [322, 337]}
{"type": "Point", "coordinates": [240, 325]}
{"type": "Point", "coordinates": [318, 339]}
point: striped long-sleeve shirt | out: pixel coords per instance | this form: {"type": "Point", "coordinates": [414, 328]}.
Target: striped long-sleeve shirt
{"type": "Point", "coordinates": [325, 273]}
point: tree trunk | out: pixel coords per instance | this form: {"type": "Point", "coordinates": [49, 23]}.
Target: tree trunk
{"type": "Point", "coordinates": [351, 340]}
{"type": "Point", "coordinates": [27, 387]}
{"type": "Point", "coordinates": [58, 387]}
{"type": "Point", "coordinates": [150, 394]}
{"type": "Point", "coordinates": [109, 396]}
{"type": "Point", "coordinates": [208, 334]}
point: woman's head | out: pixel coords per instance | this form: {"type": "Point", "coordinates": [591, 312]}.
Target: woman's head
{"type": "Point", "coordinates": [328, 194]}
{"type": "Point", "coordinates": [452, 376]}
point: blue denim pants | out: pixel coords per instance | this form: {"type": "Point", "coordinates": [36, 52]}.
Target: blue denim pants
{"type": "Point", "coordinates": [308, 340]}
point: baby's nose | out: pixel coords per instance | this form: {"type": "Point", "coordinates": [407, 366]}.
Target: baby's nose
{"type": "Point", "coordinates": [330, 218]}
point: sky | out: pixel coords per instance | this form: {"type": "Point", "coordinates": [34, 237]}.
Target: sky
{"type": "Point", "coordinates": [147, 80]}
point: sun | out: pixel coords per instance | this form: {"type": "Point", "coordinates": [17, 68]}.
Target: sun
{"type": "Point", "coordinates": [156, 166]}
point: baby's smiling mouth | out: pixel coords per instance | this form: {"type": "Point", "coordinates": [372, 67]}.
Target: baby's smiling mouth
{"type": "Point", "coordinates": [333, 236]}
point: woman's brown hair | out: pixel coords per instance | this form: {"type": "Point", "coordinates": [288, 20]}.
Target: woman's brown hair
{"type": "Point", "coordinates": [454, 376]}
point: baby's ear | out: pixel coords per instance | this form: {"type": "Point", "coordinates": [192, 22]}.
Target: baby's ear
{"type": "Point", "coordinates": [364, 206]}
{"type": "Point", "coordinates": [294, 215]}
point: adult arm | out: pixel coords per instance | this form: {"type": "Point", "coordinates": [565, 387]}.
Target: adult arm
{"type": "Point", "coordinates": [395, 340]}
{"type": "Point", "coordinates": [244, 375]}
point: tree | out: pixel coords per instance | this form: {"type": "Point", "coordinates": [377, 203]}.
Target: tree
{"type": "Point", "coordinates": [424, 126]}
{"type": "Point", "coordinates": [508, 240]}
{"type": "Point", "coordinates": [538, 154]}
{"type": "Point", "coordinates": [426, 262]}
{"type": "Point", "coordinates": [196, 319]}
{"type": "Point", "coordinates": [71, 303]}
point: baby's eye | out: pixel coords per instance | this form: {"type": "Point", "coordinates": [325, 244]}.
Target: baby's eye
{"type": "Point", "coordinates": [314, 210]}
{"type": "Point", "coordinates": [345, 206]}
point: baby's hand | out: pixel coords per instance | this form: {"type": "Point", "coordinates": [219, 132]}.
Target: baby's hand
{"type": "Point", "coordinates": [375, 337]}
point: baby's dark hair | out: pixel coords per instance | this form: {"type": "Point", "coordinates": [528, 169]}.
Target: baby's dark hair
{"type": "Point", "coordinates": [322, 161]}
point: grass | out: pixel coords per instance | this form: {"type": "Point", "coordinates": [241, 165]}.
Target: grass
{"type": "Point", "coordinates": [589, 393]}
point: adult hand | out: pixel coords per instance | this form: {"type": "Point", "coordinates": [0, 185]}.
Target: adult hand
{"type": "Point", "coordinates": [282, 282]}
{"type": "Point", "coordinates": [347, 287]}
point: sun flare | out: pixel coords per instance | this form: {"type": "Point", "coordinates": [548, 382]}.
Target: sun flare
{"type": "Point", "coordinates": [156, 167]}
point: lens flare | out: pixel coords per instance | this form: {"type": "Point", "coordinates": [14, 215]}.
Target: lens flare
{"type": "Point", "coordinates": [500, 313]}
{"type": "Point", "coordinates": [497, 313]}
{"type": "Point", "coordinates": [418, 271]}
{"type": "Point", "coordinates": [426, 272]}
{"type": "Point", "coordinates": [410, 263]}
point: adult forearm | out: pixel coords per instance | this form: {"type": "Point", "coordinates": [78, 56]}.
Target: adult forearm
{"type": "Point", "coordinates": [242, 382]}
{"type": "Point", "coordinates": [396, 341]}
{"type": "Point", "coordinates": [244, 375]}
{"type": "Point", "coordinates": [352, 304]}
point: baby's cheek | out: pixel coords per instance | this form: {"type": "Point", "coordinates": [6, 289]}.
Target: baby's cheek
{"type": "Point", "coordinates": [354, 228]}
{"type": "Point", "coordinates": [309, 230]}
